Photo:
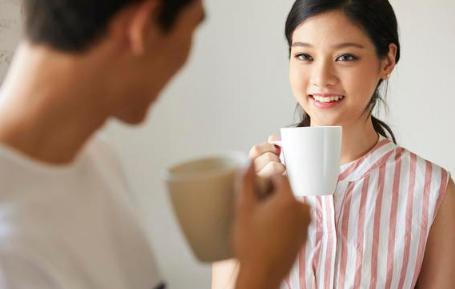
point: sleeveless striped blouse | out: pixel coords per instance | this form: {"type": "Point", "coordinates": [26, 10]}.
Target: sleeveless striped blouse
{"type": "Point", "coordinates": [372, 232]}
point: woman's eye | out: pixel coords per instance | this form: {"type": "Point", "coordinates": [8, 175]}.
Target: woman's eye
{"type": "Point", "coordinates": [347, 57]}
{"type": "Point", "coordinates": [303, 57]}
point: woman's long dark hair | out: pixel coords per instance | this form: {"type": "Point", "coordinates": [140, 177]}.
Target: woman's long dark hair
{"type": "Point", "coordinates": [375, 17]}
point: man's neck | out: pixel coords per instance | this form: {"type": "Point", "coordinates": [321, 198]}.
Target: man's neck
{"type": "Point", "coordinates": [48, 107]}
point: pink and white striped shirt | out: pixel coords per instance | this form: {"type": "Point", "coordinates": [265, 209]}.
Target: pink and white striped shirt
{"type": "Point", "coordinates": [372, 232]}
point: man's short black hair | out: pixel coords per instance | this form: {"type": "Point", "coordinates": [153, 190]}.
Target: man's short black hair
{"type": "Point", "coordinates": [74, 25]}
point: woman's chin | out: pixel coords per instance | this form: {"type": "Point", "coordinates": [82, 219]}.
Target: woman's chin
{"type": "Point", "coordinates": [315, 122]}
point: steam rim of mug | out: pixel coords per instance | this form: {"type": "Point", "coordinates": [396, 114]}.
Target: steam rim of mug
{"type": "Point", "coordinates": [237, 160]}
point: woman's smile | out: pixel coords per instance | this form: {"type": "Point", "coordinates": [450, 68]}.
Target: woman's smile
{"type": "Point", "coordinates": [326, 101]}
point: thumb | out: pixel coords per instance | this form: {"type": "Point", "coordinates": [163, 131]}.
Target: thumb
{"type": "Point", "coordinates": [304, 219]}
{"type": "Point", "coordinates": [282, 185]}
{"type": "Point", "coordinates": [246, 194]}
{"type": "Point", "coordinates": [306, 212]}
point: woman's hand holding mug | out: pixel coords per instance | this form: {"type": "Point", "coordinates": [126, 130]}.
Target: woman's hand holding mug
{"type": "Point", "coordinates": [266, 158]}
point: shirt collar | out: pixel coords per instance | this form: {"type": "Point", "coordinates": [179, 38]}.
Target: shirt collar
{"type": "Point", "coordinates": [375, 158]}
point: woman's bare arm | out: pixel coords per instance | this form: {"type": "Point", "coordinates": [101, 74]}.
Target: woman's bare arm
{"type": "Point", "coordinates": [438, 269]}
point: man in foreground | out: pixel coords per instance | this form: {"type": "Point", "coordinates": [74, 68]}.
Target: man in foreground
{"type": "Point", "coordinates": [65, 217]}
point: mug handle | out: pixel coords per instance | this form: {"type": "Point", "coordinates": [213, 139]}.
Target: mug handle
{"type": "Point", "coordinates": [279, 143]}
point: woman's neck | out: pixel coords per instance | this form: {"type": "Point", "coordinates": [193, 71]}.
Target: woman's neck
{"type": "Point", "coordinates": [358, 140]}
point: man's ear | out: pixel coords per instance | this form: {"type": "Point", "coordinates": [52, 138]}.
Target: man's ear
{"type": "Point", "coordinates": [136, 25]}
{"type": "Point", "coordinates": [143, 25]}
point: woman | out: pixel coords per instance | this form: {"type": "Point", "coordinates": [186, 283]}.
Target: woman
{"type": "Point", "coordinates": [391, 221]}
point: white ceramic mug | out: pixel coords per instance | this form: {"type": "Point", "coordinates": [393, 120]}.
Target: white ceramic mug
{"type": "Point", "coordinates": [312, 158]}
{"type": "Point", "coordinates": [202, 195]}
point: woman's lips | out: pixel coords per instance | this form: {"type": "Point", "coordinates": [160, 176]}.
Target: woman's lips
{"type": "Point", "coordinates": [326, 100]}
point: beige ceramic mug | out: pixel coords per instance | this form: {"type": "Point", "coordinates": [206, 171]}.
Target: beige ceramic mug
{"type": "Point", "coordinates": [202, 194]}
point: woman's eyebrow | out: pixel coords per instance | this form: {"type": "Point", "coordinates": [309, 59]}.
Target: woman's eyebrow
{"type": "Point", "coordinates": [336, 46]}
{"type": "Point", "coordinates": [301, 44]}
{"type": "Point", "coordinates": [348, 44]}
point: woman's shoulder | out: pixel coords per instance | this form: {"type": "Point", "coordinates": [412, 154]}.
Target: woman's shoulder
{"type": "Point", "coordinates": [428, 180]}
{"type": "Point", "coordinates": [421, 164]}
{"type": "Point", "coordinates": [429, 177]}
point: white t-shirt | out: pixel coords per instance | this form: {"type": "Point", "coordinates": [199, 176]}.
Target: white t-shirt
{"type": "Point", "coordinates": [71, 227]}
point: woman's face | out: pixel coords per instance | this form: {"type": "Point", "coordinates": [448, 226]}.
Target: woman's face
{"type": "Point", "coordinates": [334, 69]}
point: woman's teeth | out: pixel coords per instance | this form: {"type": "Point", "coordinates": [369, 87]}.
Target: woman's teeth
{"type": "Point", "coordinates": [328, 99]}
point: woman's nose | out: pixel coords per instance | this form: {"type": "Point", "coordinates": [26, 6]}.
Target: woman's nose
{"type": "Point", "coordinates": [323, 75]}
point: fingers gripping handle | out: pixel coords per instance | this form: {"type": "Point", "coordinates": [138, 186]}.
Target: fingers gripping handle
{"type": "Point", "coordinates": [278, 143]}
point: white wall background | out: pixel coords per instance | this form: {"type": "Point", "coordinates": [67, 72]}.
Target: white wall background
{"type": "Point", "coordinates": [10, 28]}
{"type": "Point", "coordinates": [234, 93]}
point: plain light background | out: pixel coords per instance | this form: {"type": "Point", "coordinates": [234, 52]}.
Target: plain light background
{"type": "Point", "coordinates": [10, 30]}
{"type": "Point", "coordinates": [234, 92]}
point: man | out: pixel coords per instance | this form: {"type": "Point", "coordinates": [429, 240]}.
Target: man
{"type": "Point", "coordinates": [65, 219]}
